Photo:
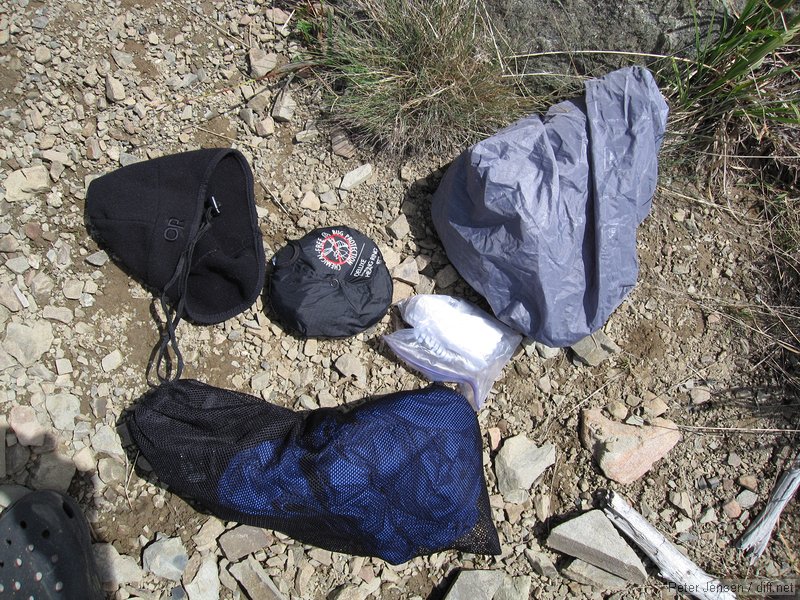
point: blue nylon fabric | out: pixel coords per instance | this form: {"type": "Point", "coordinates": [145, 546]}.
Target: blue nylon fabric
{"type": "Point", "coordinates": [403, 475]}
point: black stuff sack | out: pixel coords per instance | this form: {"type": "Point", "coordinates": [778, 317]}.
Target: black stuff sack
{"type": "Point", "coordinates": [396, 477]}
{"type": "Point", "coordinates": [185, 225]}
{"type": "Point", "coordinates": [331, 283]}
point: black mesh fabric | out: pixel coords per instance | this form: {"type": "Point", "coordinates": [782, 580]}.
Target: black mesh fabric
{"type": "Point", "coordinates": [396, 477]}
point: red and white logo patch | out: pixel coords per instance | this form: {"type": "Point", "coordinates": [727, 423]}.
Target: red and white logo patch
{"type": "Point", "coordinates": [335, 248]}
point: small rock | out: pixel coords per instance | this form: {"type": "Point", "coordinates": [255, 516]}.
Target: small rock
{"type": "Point", "coordinates": [514, 588]}
{"type": "Point", "coordinates": [541, 504]}
{"type": "Point", "coordinates": [708, 516]}
{"type": "Point", "coordinates": [115, 91]}
{"type": "Point", "coordinates": [18, 264]}
{"type": "Point", "coordinates": [341, 144]}
{"type": "Point", "coordinates": [8, 243]}
{"type": "Point", "coordinates": [310, 201]}
{"type": "Point", "coordinates": [105, 440]}
{"type": "Point", "coordinates": [350, 365]}
{"type": "Point", "coordinates": [748, 482]}
{"type": "Point", "coordinates": [594, 539]}
{"type": "Point", "coordinates": [401, 291]}
{"type": "Point", "coordinates": [541, 563]}
{"type": "Point", "coordinates": [53, 472]}
{"type": "Point", "coordinates": [390, 257]}
{"type": "Point", "coordinates": [206, 538]}
{"type": "Point", "coordinates": [205, 585]}
{"type": "Point", "coordinates": [323, 557]}
{"type": "Point", "coordinates": [25, 425]}
{"type": "Point", "coordinates": [112, 360]}
{"type": "Point", "coordinates": [85, 460]}
{"type": "Point", "coordinates": [475, 585]}
{"type": "Point", "coordinates": [277, 16]}
{"type": "Point", "coordinates": [114, 569]}
{"type": "Point", "coordinates": [260, 381]}
{"type": "Point", "coordinates": [166, 557]}
{"type": "Point", "coordinates": [42, 285]}
{"type": "Point", "coordinates": [265, 127]}
{"type": "Point", "coordinates": [732, 509]}
{"type": "Point", "coordinates": [594, 349]}
{"type": "Point", "coordinates": [700, 395]}
{"type": "Point", "coordinates": [356, 177]}
{"type": "Point", "coordinates": [63, 409]}
{"type": "Point", "coordinates": [97, 259]}
{"type": "Point", "coordinates": [407, 271]}
{"type": "Point", "coordinates": [655, 407]}
{"type": "Point", "coordinates": [617, 409]}
{"type": "Point", "coordinates": [683, 502]}
{"type": "Point", "coordinates": [446, 277]}
{"type": "Point", "coordinates": [494, 438]}
{"type": "Point", "coordinates": [626, 452]}
{"type": "Point", "coordinates": [306, 136]}
{"type": "Point", "coordinates": [734, 460]}
{"type": "Point", "coordinates": [747, 499]}
{"type": "Point", "coordinates": [518, 464]}
{"type": "Point", "coordinates": [22, 184]}
{"type": "Point", "coordinates": [329, 199]}
{"type": "Point", "coordinates": [61, 314]}
{"type": "Point", "coordinates": [123, 59]}
{"type": "Point", "coordinates": [284, 107]}
{"type": "Point", "coordinates": [9, 299]}
{"type": "Point", "coordinates": [255, 581]}
{"type": "Point", "coordinates": [586, 574]}
{"type": "Point", "coordinates": [546, 352]}
{"type": "Point", "coordinates": [311, 347]}
{"type": "Point", "coordinates": [42, 55]}
{"type": "Point", "coordinates": [399, 228]}
{"type": "Point", "coordinates": [261, 62]}
{"type": "Point", "coordinates": [243, 540]}
{"type": "Point", "coordinates": [110, 471]}
{"type": "Point", "coordinates": [28, 344]}
{"type": "Point", "coordinates": [73, 289]}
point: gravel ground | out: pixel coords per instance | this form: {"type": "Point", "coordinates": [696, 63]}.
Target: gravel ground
{"type": "Point", "coordinates": [88, 87]}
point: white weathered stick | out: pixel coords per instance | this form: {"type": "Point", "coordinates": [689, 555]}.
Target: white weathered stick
{"type": "Point", "coordinates": [757, 535]}
{"type": "Point", "coordinates": [672, 564]}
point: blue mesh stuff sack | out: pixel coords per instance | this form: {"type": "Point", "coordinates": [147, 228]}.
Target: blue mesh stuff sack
{"type": "Point", "coordinates": [396, 477]}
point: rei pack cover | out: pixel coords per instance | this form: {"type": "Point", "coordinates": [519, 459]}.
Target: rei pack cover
{"type": "Point", "coordinates": [541, 218]}
{"type": "Point", "coordinates": [396, 477]}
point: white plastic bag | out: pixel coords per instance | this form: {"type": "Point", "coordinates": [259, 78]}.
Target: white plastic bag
{"type": "Point", "coordinates": [453, 340]}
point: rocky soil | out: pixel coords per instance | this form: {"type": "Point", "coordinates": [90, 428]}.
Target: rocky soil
{"type": "Point", "coordinates": [88, 87]}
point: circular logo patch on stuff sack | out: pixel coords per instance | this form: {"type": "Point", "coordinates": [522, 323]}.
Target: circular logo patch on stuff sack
{"type": "Point", "coordinates": [336, 248]}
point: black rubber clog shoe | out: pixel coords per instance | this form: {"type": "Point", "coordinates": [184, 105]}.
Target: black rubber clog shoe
{"type": "Point", "coordinates": [45, 550]}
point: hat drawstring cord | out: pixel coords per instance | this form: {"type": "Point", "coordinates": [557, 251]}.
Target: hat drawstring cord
{"type": "Point", "coordinates": [173, 316]}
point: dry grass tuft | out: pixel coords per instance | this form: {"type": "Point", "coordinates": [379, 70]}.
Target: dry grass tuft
{"type": "Point", "coordinates": [416, 75]}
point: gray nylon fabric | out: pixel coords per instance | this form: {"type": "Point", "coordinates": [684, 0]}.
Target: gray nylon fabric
{"type": "Point", "coordinates": [541, 218]}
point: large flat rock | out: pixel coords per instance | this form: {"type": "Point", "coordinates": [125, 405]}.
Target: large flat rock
{"type": "Point", "coordinates": [594, 539]}
{"type": "Point", "coordinates": [626, 452]}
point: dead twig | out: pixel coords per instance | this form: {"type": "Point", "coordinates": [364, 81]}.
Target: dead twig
{"type": "Point", "coordinates": [757, 535]}
{"type": "Point", "coordinates": [672, 564]}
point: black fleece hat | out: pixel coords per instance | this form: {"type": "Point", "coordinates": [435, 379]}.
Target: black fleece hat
{"type": "Point", "coordinates": [186, 225]}
{"type": "Point", "coordinates": [332, 282]}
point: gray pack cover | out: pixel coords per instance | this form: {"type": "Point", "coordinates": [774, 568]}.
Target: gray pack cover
{"type": "Point", "coordinates": [541, 218]}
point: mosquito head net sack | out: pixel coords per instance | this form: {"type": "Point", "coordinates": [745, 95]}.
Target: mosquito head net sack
{"type": "Point", "coordinates": [396, 477]}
